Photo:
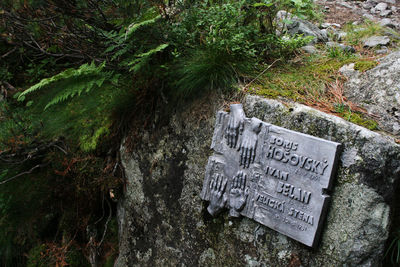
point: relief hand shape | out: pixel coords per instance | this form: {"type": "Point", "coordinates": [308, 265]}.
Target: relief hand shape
{"type": "Point", "coordinates": [238, 194]}
{"type": "Point", "coordinates": [218, 198]}
{"type": "Point", "coordinates": [235, 124]}
{"type": "Point", "coordinates": [249, 141]}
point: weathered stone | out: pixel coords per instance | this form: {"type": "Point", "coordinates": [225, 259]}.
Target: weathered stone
{"type": "Point", "coordinates": [378, 91]}
{"type": "Point", "coordinates": [344, 4]}
{"type": "Point", "coordinates": [368, 4]}
{"type": "Point", "coordinates": [344, 48]}
{"type": "Point", "coordinates": [340, 36]}
{"type": "Point", "coordinates": [374, 41]}
{"type": "Point", "coordinates": [327, 25]}
{"type": "Point", "coordinates": [368, 16]}
{"type": "Point", "coordinates": [387, 23]}
{"type": "Point", "coordinates": [348, 70]}
{"type": "Point", "coordinates": [385, 13]}
{"type": "Point", "coordinates": [163, 222]}
{"type": "Point", "coordinates": [383, 50]}
{"type": "Point", "coordinates": [310, 49]}
{"type": "Point", "coordinates": [381, 6]}
{"type": "Point", "coordinates": [299, 26]}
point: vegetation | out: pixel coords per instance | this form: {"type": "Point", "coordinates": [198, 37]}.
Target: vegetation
{"type": "Point", "coordinates": [76, 76]}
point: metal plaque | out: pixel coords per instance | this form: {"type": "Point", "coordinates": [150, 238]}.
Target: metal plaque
{"type": "Point", "coordinates": [273, 175]}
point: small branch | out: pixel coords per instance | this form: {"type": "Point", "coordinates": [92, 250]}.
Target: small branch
{"type": "Point", "coordinates": [247, 85]}
{"type": "Point", "coordinates": [62, 150]}
{"type": "Point", "coordinates": [9, 52]}
{"type": "Point", "coordinates": [23, 173]}
{"type": "Point", "coordinates": [106, 224]}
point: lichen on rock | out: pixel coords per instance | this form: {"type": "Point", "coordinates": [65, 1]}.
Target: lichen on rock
{"type": "Point", "coordinates": [163, 221]}
{"type": "Point", "coordinates": [378, 91]}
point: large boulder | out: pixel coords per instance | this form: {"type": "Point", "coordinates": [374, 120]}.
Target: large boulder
{"type": "Point", "coordinates": [378, 91]}
{"type": "Point", "coordinates": [163, 221]}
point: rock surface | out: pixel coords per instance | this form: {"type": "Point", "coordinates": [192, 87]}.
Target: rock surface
{"type": "Point", "coordinates": [374, 41]}
{"type": "Point", "coordinates": [310, 49]}
{"type": "Point", "coordinates": [306, 28]}
{"type": "Point", "coordinates": [163, 222]}
{"type": "Point", "coordinates": [378, 91]}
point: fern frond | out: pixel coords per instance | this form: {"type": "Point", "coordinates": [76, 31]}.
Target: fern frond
{"type": "Point", "coordinates": [134, 27]}
{"type": "Point", "coordinates": [144, 57]}
{"type": "Point", "coordinates": [72, 82]}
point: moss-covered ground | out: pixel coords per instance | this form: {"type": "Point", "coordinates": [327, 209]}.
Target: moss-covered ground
{"type": "Point", "coordinates": [315, 80]}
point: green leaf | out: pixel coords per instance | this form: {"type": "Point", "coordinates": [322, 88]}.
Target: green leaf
{"type": "Point", "coordinates": [134, 27]}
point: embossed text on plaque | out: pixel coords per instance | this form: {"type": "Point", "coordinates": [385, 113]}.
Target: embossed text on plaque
{"type": "Point", "coordinates": [273, 175]}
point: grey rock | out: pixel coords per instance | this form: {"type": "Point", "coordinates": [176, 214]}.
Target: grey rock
{"type": "Point", "coordinates": [340, 36]}
{"type": "Point", "coordinates": [368, 4]}
{"type": "Point", "coordinates": [390, 1]}
{"type": "Point", "coordinates": [368, 16]}
{"type": "Point", "coordinates": [324, 32]}
{"type": "Point", "coordinates": [348, 70]}
{"type": "Point", "coordinates": [299, 26]}
{"type": "Point", "coordinates": [163, 222]}
{"type": "Point", "coordinates": [344, 48]}
{"type": "Point", "coordinates": [387, 23]}
{"type": "Point", "coordinates": [381, 51]}
{"type": "Point", "coordinates": [392, 34]}
{"type": "Point", "coordinates": [393, 8]}
{"type": "Point", "coordinates": [386, 13]}
{"type": "Point", "coordinates": [381, 6]}
{"type": "Point", "coordinates": [344, 4]}
{"type": "Point", "coordinates": [327, 25]}
{"type": "Point", "coordinates": [310, 49]}
{"type": "Point", "coordinates": [374, 41]}
{"type": "Point", "coordinates": [373, 10]}
{"type": "Point", "coordinates": [378, 91]}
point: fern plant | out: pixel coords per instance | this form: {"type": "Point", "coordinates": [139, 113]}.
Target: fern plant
{"type": "Point", "coordinates": [74, 82]}
{"type": "Point", "coordinates": [128, 47]}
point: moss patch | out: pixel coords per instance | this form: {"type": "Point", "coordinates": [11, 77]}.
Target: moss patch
{"type": "Point", "coordinates": [360, 119]}
{"type": "Point", "coordinates": [314, 81]}
{"type": "Point", "coordinates": [365, 65]}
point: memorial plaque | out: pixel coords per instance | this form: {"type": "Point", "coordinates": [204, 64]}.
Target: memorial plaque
{"type": "Point", "coordinates": [278, 177]}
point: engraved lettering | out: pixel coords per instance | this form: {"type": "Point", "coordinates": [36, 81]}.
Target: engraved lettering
{"type": "Point", "coordinates": [272, 140]}
{"type": "Point", "coordinates": [295, 145]}
{"type": "Point", "coordinates": [279, 141]}
{"type": "Point", "coordinates": [324, 165]}
{"type": "Point", "coordinates": [294, 160]}
{"type": "Point", "coordinates": [293, 192]}
{"type": "Point", "coordinates": [286, 157]}
{"type": "Point", "coordinates": [314, 166]}
{"type": "Point", "coordinates": [304, 162]}
{"type": "Point", "coordinates": [280, 187]}
{"type": "Point", "coordinates": [308, 164]}
{"type": "Point", "coordinates": [286, 144]}
{"type": "Point", "coordinates": [278, 174]}
{"type": "Point", "coordinates": [278, 154]}
{"type": "Point", "coordinates": [300, 215]}
{"type": "Point", "coordinates": [272, 203]}
{"type": "Point", "coordinates": [287, 189]}
{"type": "Point", "coordinates": [271, 151]}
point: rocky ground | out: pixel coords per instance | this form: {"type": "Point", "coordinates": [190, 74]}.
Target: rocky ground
{"type": "Point", "coordinates": [363, 38]}
{"type": "Point", "coordinates": [386, 13]}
